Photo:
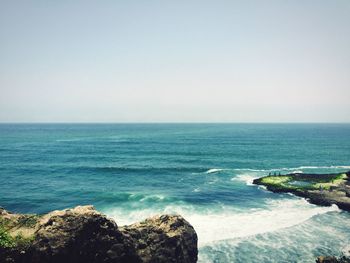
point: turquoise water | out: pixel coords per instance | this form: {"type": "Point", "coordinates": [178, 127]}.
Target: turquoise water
{"type": "Point", "coordinates": [202, 171]}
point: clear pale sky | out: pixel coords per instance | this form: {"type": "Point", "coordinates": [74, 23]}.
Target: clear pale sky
{"type": "Point", "coordinates": [175, 61]}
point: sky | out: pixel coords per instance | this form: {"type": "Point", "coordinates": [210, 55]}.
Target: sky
{"type": "Point", "coordinates": [175, 61]}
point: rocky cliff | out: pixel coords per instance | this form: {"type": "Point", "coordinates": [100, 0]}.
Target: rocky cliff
{"type": "Point", "coordinates": [82, 234]}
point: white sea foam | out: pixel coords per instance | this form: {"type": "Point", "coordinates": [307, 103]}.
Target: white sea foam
{"type": "Point", "coordinates": [152, 198]}
{"type": "Point", "coordinates": [250, 169]}
{"type": "Point", "coordinates": [214, 170]}
{"type": "Point", "coordinates": [217, 223]}
{"type": "Point", "coordinates": [293, 168]}
{"type": "Point", "coordinates": [246, 177]}
{"type": "Point", "coordinates": [229, 223]}
{"type": "Point", "coordinates": [321, 233]}
{"type": "Point", "coordinates": [326, 167]}
{"type": "Point", "coordinates": [341, 167]}
{"type": "Point", "coordinates": [287, 169]}
{"type": "Point", "coordinates": [313, 167]}
{"type": "Point", "coordinates": [346, 250]}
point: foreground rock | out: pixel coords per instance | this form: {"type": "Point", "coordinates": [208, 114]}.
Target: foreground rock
{"type": "Point", "coordinates": [329, 259]}
{"type": "Point", "coordinates": [319, 189]}
{"type": "Point", "coordinates": [82, 234]}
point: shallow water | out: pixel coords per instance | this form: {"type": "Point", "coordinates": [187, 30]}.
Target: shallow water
{"type": "Point", "coordinates": [202, 171]}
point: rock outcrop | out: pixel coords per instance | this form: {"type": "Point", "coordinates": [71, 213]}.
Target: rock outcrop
{"type": "Point", "coordinates": [331, 259]}
{"type": "Point", "coordinates": [318, 189]}
{"type": "Point", "coordinates": [84, 235]}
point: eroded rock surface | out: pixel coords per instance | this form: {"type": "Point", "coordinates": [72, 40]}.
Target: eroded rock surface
{"type": "Point", "coordinates": [82, 234]}
{"type": "Point", "coordinates": [163, 239]}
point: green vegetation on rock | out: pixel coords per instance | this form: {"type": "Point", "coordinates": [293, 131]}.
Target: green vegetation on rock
{"type": "Point", "coordinates": [334, 181]}
{"type": "Point", "coordinates": [319, 189]}
{"type": "Point", "coordinates": [302, 181]}
{"type": "Point", "coordinates": [277, 181]}
{"type": "Point", "coordinates": [6, 241]}
{"type": "Point", "coordinates": [11, 231]}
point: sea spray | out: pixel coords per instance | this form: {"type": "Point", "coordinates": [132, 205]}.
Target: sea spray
{"type": "Point", "coordinates": [229, 222]}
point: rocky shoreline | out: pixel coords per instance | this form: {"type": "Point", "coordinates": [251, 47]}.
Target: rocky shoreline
{"type": "Point", "coordinates": [82, 234]}
{"type": "Point", "coordinates": [319, 189]}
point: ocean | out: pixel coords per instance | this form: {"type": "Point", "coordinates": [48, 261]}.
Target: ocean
{"type": "Point", "coordinates": [202, 171]}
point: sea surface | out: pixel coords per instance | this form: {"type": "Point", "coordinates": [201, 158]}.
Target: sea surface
{"type": "Point", "coordinates": [201, 171]}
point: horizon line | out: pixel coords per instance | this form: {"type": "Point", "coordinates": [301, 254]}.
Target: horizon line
{"type": "Point", "coordinates": [170, 122]}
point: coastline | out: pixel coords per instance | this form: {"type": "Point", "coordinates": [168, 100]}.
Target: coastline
{"type": "Point", "coordinates": [318, 189]}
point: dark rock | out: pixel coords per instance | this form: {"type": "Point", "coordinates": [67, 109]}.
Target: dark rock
{"type": "Point", "coordinates": [326, 259]}
{"type": "Point", "coordinates": [84, 235]}
{"type": "Point", "coordinates": [330, 259]}
{"type": "Point", "coordinates": [164, 239]}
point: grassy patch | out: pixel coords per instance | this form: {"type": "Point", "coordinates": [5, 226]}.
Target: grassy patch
{"type": "Point", "coordinates": [6, 240]}
{"type": "Point", "coordinates": [296, 181]}
{"type": "Point", "coordinates": [278, 182]}
{"type": "Point", "coordinates": [275, 180]}
{"type": "Point", "coordinates": [332, 182]}
{"type": "Point", "coordinates": [10, 239]}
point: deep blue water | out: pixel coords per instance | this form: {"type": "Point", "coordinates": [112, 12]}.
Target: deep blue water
{"type": "Point", "coordinates": [202, 171]}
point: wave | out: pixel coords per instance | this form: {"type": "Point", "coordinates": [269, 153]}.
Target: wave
{"type": "Point", "coordinates": [229, 223]}
{"type": "Point", "coordinates": [196, 190]}
{"type": "Point", "coordinates": [326, 167]}
{"type": "Point", "coordinates": [197, 169]}
{"type": "Point", "coordinates": [311, 167]}
{"type": "Point", "coordinates": [247, 178]}
{"type": "Point", "coordinates": [302, 242]}
{"type": "Point", "coordinates": [139, 169]}
{"type": "Point", "coordinates": [294, 169]}
{"type": "Point", "coordinates": [128, 198]}
{"type": "Point", "coordinates": [250, 169]}
{"type": "Point", "coordinates": [297, 172]}
{"type": "Point", "coordinates": [214, 170]}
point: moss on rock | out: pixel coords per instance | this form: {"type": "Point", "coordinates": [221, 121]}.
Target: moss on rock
{"type": "Point", "coordinates": [320, 189]}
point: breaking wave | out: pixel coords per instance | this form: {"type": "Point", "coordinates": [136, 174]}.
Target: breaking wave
{"type": "Point", "coordinates": [227, 222]}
